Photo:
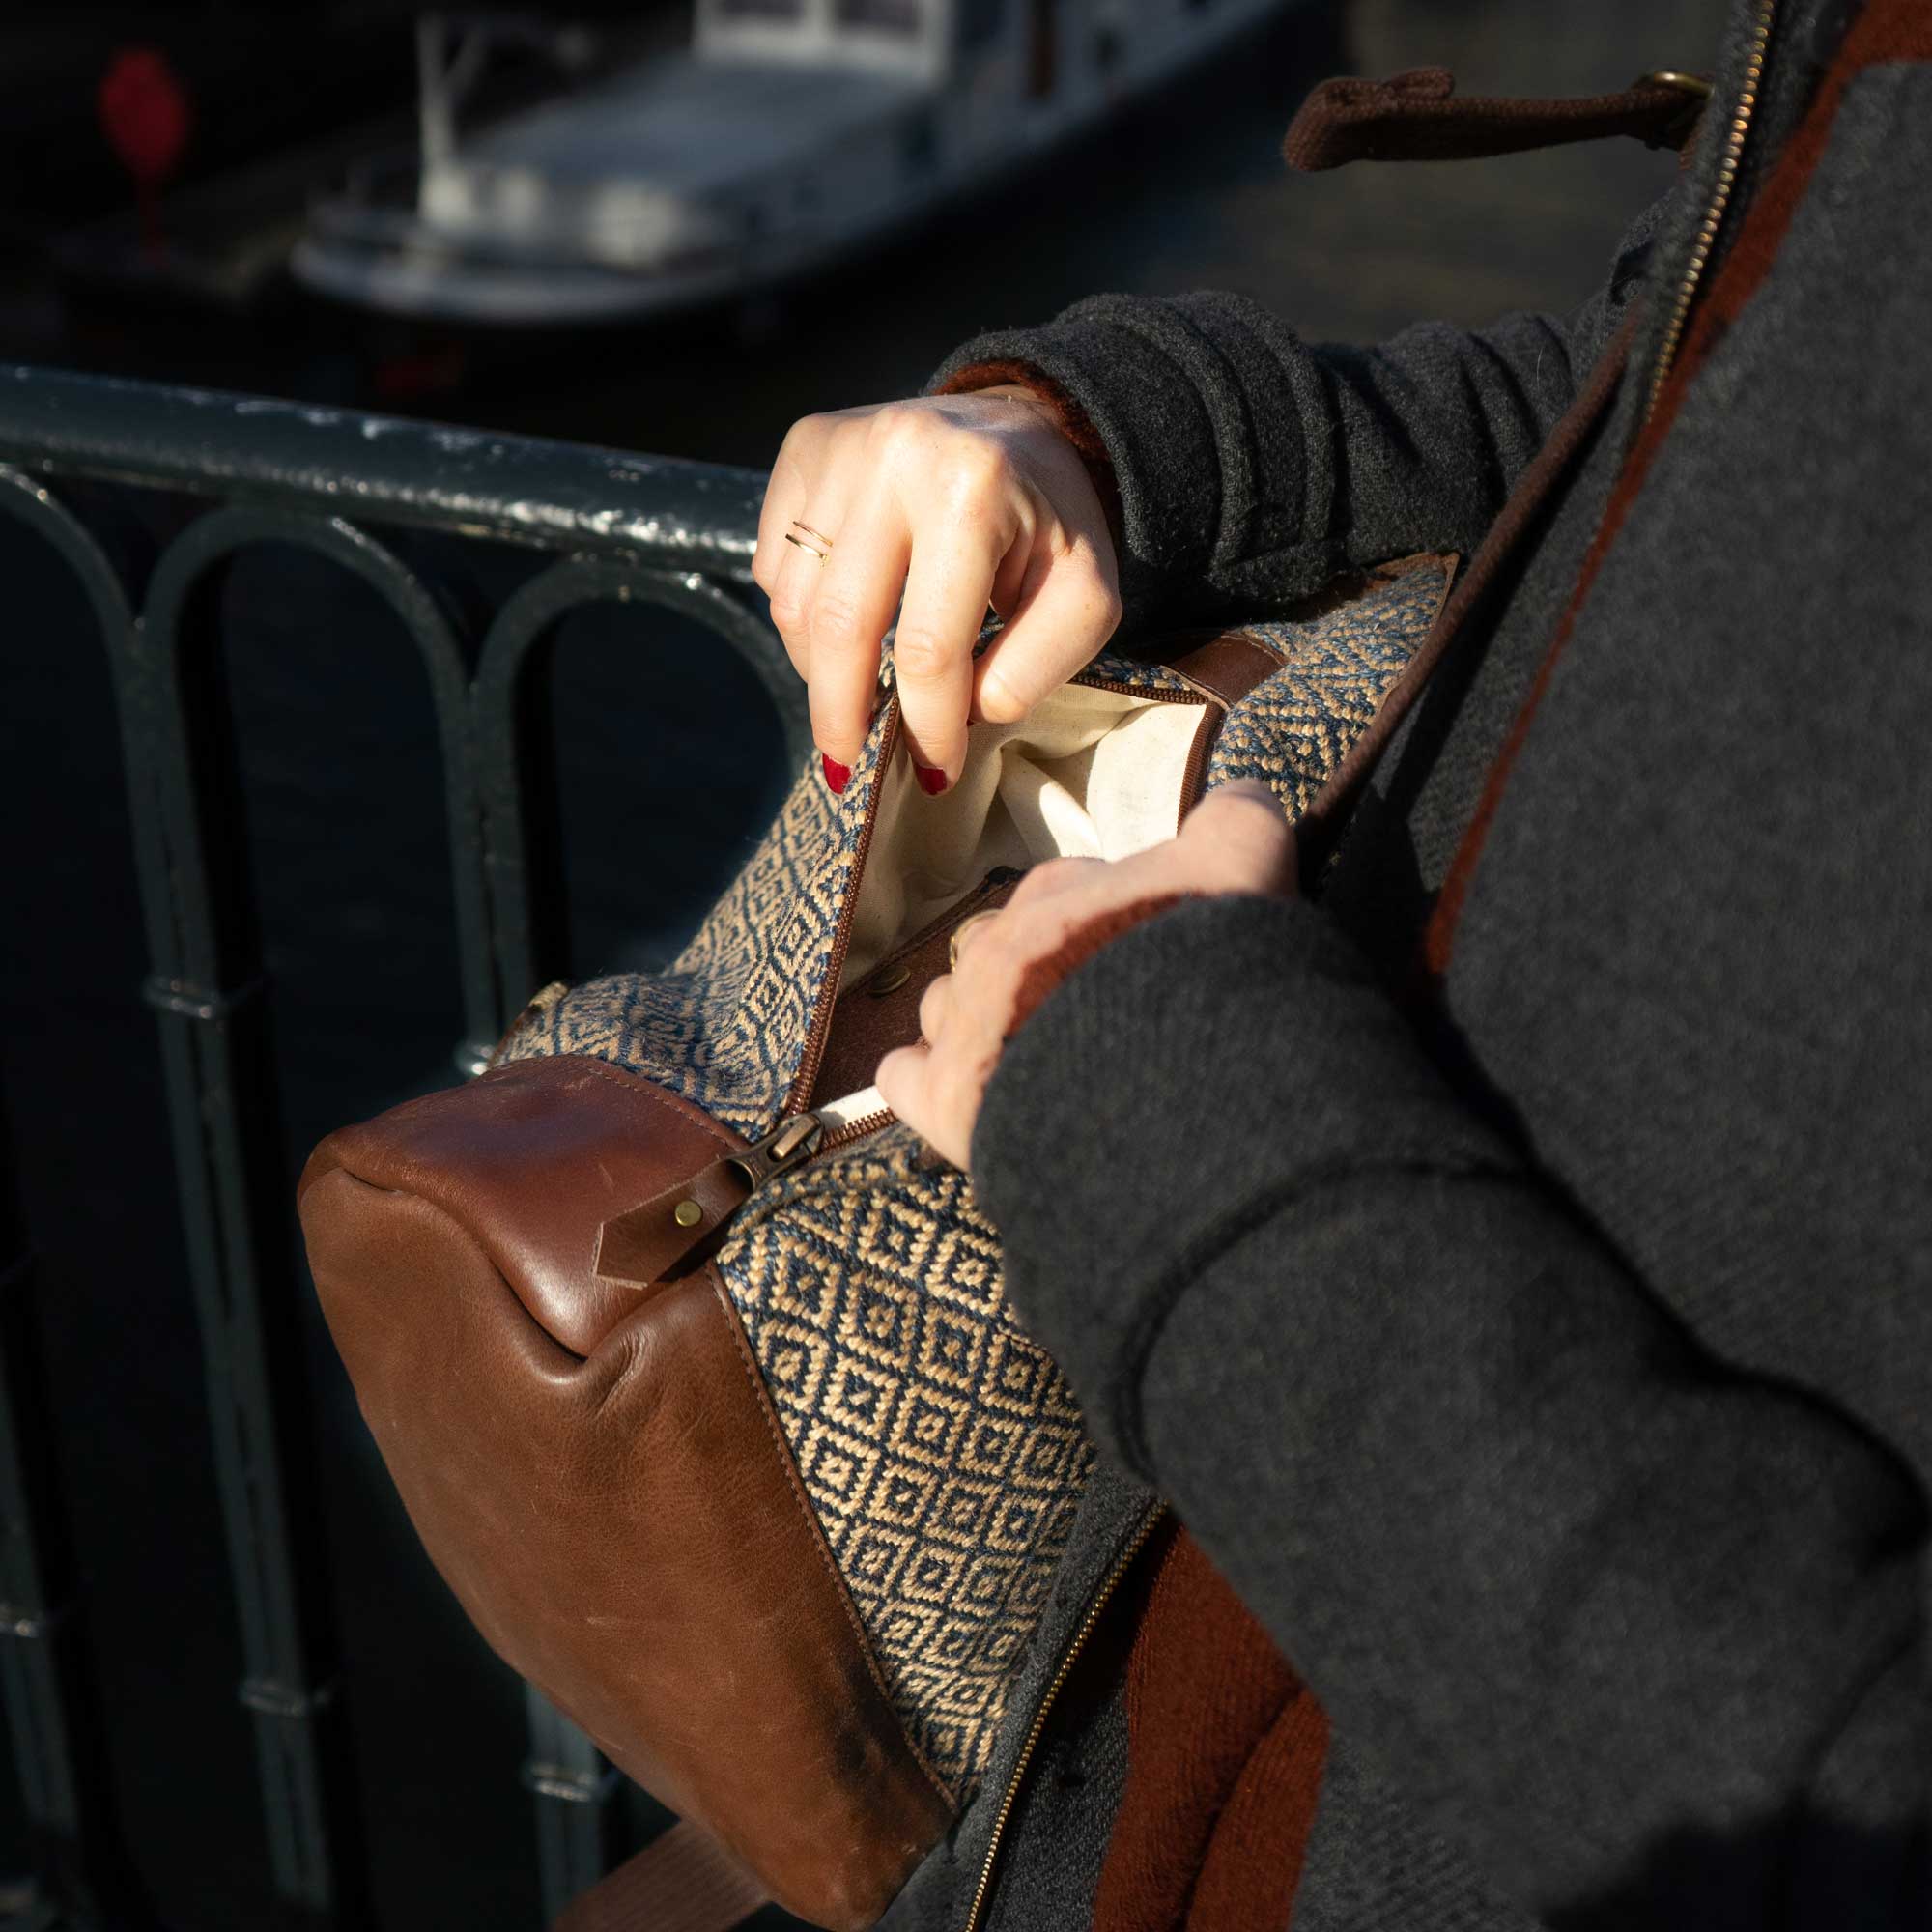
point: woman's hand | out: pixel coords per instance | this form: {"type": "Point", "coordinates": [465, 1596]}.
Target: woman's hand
{"type": "Point", "coordinates": [953, 503]}
{"type": "Point", "coordinates": [1235, 840]}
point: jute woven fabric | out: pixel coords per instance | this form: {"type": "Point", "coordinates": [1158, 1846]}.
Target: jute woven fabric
{"type": "Point", "coordinates": [942, 1449]}
{"type": "Point", "coordinates": [1291, 731]}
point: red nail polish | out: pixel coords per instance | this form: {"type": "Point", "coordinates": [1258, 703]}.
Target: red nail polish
{"type": "Point", "coordinates": [931, 780]}
{"type": "Point", "coordinates": [837, 776]}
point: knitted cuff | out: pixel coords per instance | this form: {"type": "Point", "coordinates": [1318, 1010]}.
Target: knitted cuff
{"type": "Point", "coordinates": [1079, 945]}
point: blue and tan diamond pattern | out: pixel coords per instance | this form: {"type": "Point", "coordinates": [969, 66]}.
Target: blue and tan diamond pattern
{"type": "Point", "coordinates": [942, 1451]}
{"type": "Point", "coordinates": [1291, 732]}
{"type": "Point", "coordinates": [941, 1448]}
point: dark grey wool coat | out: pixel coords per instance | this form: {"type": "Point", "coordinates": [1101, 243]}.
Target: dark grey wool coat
{"type": "Point", "coordinates": [1556, 1383]}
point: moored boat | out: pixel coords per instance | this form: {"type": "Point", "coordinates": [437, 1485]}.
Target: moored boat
{"type": "Point", "coordinates": [787, 133]}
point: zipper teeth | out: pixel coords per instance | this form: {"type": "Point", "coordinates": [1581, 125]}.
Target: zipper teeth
{"type": "Point", "coordinates": [1713, 214]}
{"type": "Point", "coordinates": [1080, 1639]}
{"type": "Point", "coordinates": [800, 1090]}
{"type": "Point", "coordinates": [852, 1130]}
{"type": "Point", "coordinates": [1153, 694]}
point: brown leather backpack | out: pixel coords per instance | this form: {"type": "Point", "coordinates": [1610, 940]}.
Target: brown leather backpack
{"type": "Point", "coordinates": [695, 1371]}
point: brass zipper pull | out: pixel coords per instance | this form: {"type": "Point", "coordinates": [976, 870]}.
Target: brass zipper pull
{"type": "Point", "coordinates": [785, 1146]}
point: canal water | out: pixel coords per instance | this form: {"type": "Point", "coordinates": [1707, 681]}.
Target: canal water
{"type": "Point", "coordinates": [667, 778]}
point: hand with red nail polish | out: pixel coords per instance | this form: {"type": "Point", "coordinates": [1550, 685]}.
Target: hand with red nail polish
{"type": "Point", "coordinates": [931, 510]}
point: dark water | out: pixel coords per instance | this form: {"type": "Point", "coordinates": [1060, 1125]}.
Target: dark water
{"type": "Point", "coordinates": [670, 764]}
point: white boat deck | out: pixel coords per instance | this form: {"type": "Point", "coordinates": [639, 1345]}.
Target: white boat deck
{"type": "Point", "coordinates": [663, 122]}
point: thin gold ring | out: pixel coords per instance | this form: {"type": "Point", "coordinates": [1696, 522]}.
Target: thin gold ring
{"type": "Point", "coordinates": [960, 931]}
{"type": "Point", "coordinates": [812, 548]}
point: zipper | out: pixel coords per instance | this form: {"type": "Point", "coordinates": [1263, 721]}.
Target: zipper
{"type": "Point", "coordinates": [1088, 1623]}
{"type": "Point", "coordinates": [1721, 201]}
{"type": "Point", "coordinates": [800, 1090]}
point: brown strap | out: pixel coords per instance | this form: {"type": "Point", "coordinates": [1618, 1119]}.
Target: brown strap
{"type": "Point", "coordinates": [1319, 826]}
{"type": "Point", "coordinates": [1417, 116]}
{"type": "Point", "coordinates": [682, 1881]}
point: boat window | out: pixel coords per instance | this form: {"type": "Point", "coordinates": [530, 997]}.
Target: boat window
{"type": "Point", "coordinates": [896, 16]}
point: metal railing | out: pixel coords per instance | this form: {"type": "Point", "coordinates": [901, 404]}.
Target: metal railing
{"type": "Point", "coordinates": [672, 535]}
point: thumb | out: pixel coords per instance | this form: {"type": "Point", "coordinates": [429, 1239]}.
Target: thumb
{"type": "Point", "coordinates": [1244, 838]}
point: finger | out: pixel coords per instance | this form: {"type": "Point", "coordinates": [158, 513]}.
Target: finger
{"type": "Point", "coordinates": [821, 508]}
{"type": "Point", "coordinates": [948, 586]}
{"type": "Point", "coordinates": [911, 1083]}
{"type": "Point", "coordinates": [792, 594]}
{"type": "Point", "coordinates": [768, 569]}
{"type": "Point", "coordinates": [972, 931]}
{"type": "Point", "coordinates": [1067, 609]}
{"type": "Point", "coordinates": [852, 605]}
{"type": "Point", "coordinates": [1243, 838]}
{"type": "Point", "coordinates": [935, 1003]}
{"type": "Point", "coordinates": [903, 1081]}
{"type": "Point", "coordinates": [784, 493]}
{"type": "Point", "coordinates": [1053, 878]}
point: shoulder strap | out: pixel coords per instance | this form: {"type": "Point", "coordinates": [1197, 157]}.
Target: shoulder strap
{"type": "Point", "coordinates": [684, 1881]}
{"type": "Point", "coordinates": [1417, 116]}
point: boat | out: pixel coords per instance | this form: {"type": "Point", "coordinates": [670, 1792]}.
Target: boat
{"type": "Point", "coordinates": [787, 134]}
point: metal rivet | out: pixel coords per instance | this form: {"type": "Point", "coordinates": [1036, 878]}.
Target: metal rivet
{"type": "Point", "coordinates": [686, 1213]}
{"type": "Point", "coordinates": [891, 980]}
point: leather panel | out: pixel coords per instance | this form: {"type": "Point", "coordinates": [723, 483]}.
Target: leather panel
{"type": "Point", "coordinates": [868, 1022]}
{"type": "Point", "coordinates": [1227, 666]}
{"type": "Point", "coordinates": [622, 1523]}
{"type": "Point", "coordinates": [535, 1158]}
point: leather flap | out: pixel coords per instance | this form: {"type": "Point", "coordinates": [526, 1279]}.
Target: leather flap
{"type": "Point", "coordinates": [533, 1159]}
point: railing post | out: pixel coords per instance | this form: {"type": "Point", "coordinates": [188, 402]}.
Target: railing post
{"type": "Point", "coordinates": [87, 1882]}
{"type": "Point", "coordinates": [225, 1115]}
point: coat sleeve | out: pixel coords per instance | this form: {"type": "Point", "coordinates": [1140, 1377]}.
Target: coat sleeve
{"type": "Point", "coordinates": [1636, 1628]}
{"type": "Point", "coordinates": [1251, 467]}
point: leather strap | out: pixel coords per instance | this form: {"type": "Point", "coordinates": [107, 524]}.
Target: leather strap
{"type": "Point", "coordinates": [1417, 116]}
{"type": "Point", "coordinates": [682, 1881]}
{"type": "Point", "coordinates": [1318, 829]}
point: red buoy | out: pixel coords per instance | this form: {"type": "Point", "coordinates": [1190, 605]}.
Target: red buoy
{"type": "Point", "coordinates": [146, 119]}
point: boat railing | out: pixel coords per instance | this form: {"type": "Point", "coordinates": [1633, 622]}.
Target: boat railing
{"type": "Point", "coordinates": [660, 535]}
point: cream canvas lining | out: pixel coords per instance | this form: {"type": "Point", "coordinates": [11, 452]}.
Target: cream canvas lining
{"type": "Point", "coordinates": [1087, 774]}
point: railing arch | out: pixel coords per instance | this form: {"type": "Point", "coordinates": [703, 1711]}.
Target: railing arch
{"type": "Point", "coordinates": [516, 799]}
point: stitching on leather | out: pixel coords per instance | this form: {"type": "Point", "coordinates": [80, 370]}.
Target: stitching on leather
{"type": "Point", "coordinates": [790, 1467]}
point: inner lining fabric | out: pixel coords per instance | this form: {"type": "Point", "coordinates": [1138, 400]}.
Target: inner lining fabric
{"type": "Point", "coordinates": [1086, 775]}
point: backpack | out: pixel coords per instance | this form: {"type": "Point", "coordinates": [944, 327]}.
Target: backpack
{"type": "Point", "coordinates": [694, 1368]}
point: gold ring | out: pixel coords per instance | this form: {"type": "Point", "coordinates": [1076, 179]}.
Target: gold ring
{"type": "Point", "coordinates": [959, 932]}
{"type": "Point", "coordinates": [822, 538]}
